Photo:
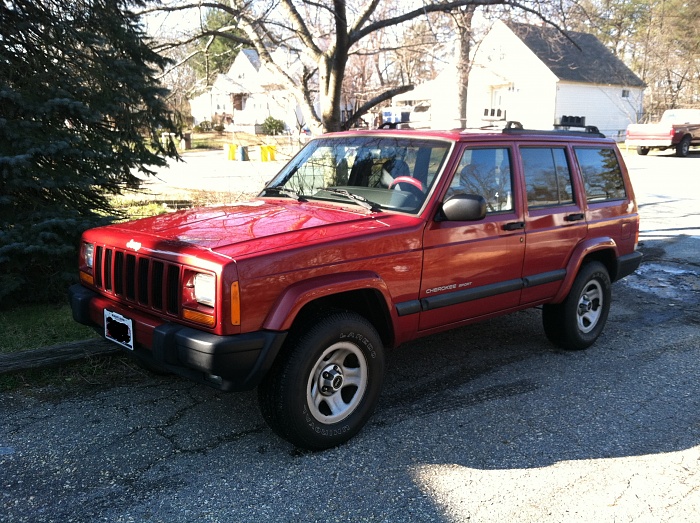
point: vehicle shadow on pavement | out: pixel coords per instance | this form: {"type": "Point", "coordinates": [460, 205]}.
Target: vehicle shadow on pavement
{"type": "Point", "coordinates": [498, 395]}
{"type": "Point", "coordinates": [671, 153]}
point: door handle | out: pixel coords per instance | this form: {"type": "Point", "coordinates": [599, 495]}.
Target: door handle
{"type": "Point", "coordinates": [514, 226]}
{"type": "Point", "coordinates": [576, 217]}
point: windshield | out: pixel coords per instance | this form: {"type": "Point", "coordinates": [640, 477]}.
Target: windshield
{"type": "Point", "coordinates": [376, 172]}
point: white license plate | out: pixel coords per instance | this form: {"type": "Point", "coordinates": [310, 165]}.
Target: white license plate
{"type": "Point", "coordinates": [119, 329]}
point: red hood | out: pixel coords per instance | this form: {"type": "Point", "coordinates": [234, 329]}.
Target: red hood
{"type": "Point", "coordinates": [261, 225]}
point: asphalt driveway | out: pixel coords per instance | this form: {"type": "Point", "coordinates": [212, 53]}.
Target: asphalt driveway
{"type": "Point", "coordinates": [484, 423]}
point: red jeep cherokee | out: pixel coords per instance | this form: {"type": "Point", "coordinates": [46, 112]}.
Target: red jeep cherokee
{"type": "Point", "coordinates": [364, 241]}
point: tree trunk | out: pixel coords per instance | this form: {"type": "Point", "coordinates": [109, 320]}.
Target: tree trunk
{"type": "Point", "coordinates": [330, 93]}
{"type": "Point", "coordinates": [332, 71]}
{"type": "Point", "coordinates": [463, 20]}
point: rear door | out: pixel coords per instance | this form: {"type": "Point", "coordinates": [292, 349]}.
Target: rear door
{"type": "Point", "coordinates": [474, 268]}
{"type": "Point", "coordinates": [555, 221]}
{"type": "Point", "coordinates": [611, 211]}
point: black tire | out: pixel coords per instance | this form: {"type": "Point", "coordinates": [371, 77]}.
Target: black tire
{"type": "Point", "coordinates": [683, 147]}
{"type": "Point", "coordinates": [325, 384]}
{"type": "Point", "coordinates": [643, 151]}
{"type": "Point", "coordinates": [576, 323]}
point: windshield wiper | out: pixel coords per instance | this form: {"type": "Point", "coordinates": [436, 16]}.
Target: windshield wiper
{"type": "Point", "coordinates": [364, 202]}
{"type": "Point", "coordinates": [287, 192]}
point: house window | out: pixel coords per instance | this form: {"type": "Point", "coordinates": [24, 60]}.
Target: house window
{"type": "Point", "coordinates": [238, 100]}
{"type": "Point", "coordinates": [625, 93]}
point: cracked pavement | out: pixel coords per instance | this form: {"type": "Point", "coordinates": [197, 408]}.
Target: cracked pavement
{"type": "Point", "coordinates": [484, 423]}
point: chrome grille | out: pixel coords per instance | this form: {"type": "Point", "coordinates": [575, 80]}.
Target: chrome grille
{"type": "Point", "coordinates": [142, 280]}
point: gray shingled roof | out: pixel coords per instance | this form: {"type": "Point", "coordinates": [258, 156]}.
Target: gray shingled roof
{"type": "Point", "coordinates": [590, 62]}
{"type": "Point", "coordinates": [253, 56]}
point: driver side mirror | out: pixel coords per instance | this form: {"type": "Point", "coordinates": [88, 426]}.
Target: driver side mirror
{"type": "Point", "coordinates": [463, 208]}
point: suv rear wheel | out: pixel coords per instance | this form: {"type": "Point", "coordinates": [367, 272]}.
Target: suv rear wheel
{"type": "Point", "coordinates": [326, 383]}
{"type": "Point", "coordinates": [577, 322]}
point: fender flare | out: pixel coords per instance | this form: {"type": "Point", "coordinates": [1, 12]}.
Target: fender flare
{"type": "Point", "coordinates": [296, 296]}
{"type": "Point", "coordinates": [679, 136]}
{"type": "Point", "coordinates": [576, 260]}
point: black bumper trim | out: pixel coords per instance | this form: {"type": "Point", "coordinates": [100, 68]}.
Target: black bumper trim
{"type": "Point", "coordinates": [79, 298]}
{"type": "Point", "coordinates": [240, 360]}
{"type": "Point", "coordinates": [627, 264]}
{"type": "Point", "coordinates": [236, 362]}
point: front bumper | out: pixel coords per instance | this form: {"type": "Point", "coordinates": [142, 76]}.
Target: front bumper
{"type": "Point", "coordinates": [228, 363]}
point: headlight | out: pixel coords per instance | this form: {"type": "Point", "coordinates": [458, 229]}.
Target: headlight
{"type": "Point", "coordinates": [88, 249]}
{"type": "Point", "coordinates": [205, 289]}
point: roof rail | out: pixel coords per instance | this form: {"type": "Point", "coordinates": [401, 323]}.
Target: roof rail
{"type": "Point", "coordinates": [517, 128]}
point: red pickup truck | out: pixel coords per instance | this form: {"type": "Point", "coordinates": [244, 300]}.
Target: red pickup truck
{"type": "Point", "coordinates": [364, 241]}
{"type": "Point", "coordinates": [678, 129]}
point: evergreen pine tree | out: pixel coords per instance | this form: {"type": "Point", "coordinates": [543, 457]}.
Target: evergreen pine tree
{"type": "Point", "coordinates": [80, 111]}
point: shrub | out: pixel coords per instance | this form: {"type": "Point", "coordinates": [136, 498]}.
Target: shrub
{"type": "Point", "coordinates": [202, 127]}
{"type": "Point", "coordinates": [273, 126]}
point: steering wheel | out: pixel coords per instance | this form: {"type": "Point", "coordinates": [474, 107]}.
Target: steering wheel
{"type": "Point", "coordinates": [407, 179]}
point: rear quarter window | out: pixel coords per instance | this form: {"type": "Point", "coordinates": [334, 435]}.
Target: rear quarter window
{"type": "Point", "coordinates": [602, 176]}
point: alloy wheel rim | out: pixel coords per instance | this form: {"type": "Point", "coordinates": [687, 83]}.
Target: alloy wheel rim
{"type": "Point", "coordinates": [590, 307]}
{"type": "Point", "coordinates": [337, 383]}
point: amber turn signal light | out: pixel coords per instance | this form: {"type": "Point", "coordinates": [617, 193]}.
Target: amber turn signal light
{"type": "Point", "coordinates": [199, 317]}
{"type": "Point", "coordinates": [235, 304]}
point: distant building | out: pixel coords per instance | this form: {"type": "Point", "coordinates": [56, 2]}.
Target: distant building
{"type": "Point", "coordinates": [247, 95]}
{"type": "Point", "coordinates": [250, 92]}
{"type": "Point", "coordinates": [539, 77]}
{"type": "Point", "coordinates": [430, 105]}
{"type": "Point", "coordinates": [533, 75]}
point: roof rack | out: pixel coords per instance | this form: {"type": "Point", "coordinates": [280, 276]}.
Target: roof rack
{"type": "Point", "coordinates": [517, 128]}
{"type": "Point", "coordinates": [395, 125]}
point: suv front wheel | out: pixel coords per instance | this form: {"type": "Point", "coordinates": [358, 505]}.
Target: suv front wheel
{"type": "Point", "coordinates": [326, 383]}
{"type": "Point", "coordinates": [577, 322]}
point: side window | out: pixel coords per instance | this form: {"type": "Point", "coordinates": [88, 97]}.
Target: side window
{"type": "Point", "coordinates": [602, 176]}
{"type": "Point", "coordinates": [547, 176]}
{"type": "Point", "coordinates": [485, 172]}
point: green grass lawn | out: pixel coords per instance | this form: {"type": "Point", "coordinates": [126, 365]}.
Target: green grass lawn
{"type": "Point", "coordinates": [35, 326]}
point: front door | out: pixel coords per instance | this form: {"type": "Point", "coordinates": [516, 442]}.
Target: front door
{"type": "Point", "coordinates": [474, 268]}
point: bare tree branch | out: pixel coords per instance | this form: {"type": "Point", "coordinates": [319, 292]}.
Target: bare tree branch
{"type": "Point", "coordinates": [187, 6]}
{"type": "Point", "coordinates": [387, 95]}
{"type": "Point", "coordinates": [364, 16]}
{"type": "Point", "coordinates": [436, 7]}
{"type": "Point", "coordinates": [301, 29]}
{"type": "Point", "coordinates": [222, 33]}
{"type": "Point", "coordinates": [179, 63]}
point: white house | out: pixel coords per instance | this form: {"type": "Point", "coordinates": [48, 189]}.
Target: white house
{"type": "Point", "coordinates": [248, 94]}
{"type": "Point", "coordinates": [430, 105]}
{"type": "Point", "coordinates": [214, 104]}
{"type": "Point", "coordinates": [537, 76]}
